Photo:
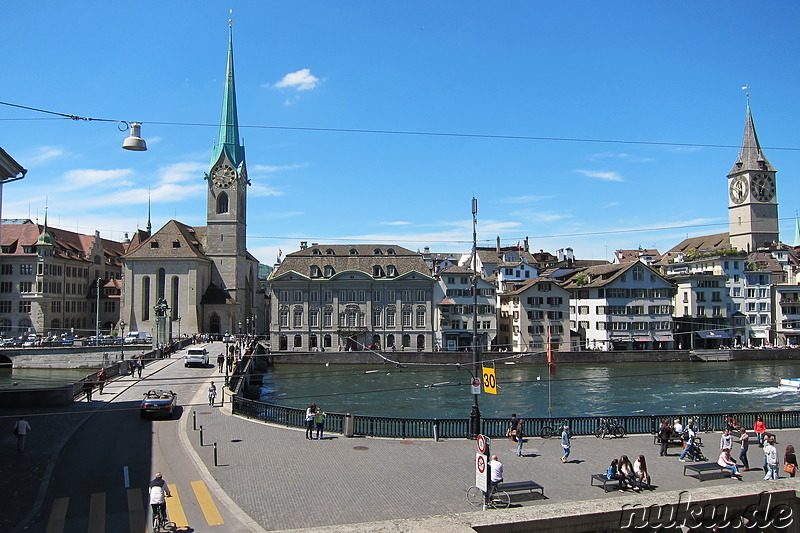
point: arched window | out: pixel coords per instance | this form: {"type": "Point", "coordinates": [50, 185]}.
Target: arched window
{"type": "Point", "coordinates": [420, 342]}
{"type": "Point", "coordinates": [298, 341]}
{"type": "Point", "coordinates": [162, 282]}
{"type": "Point", "coordinates": [377, 251]}
{"type": "Point", "coordinates": [420, 317]}
{"type": "Point", "coordinates": [315, 271]}
{"type": "Point", "coordinates": [330, 251]}
{"type": "Point", "coordinates": [390, 251]}
{"type": "Point", "coordinates": [312, 342]}
{"type": "Point", "coordinates": [316, 251]}
{"type": "Point", "coordinates": [329, 272]}
{"type": "Point", "coordinates": [146, 298]}
{"type": "Point", "coordinates": [353, 251]}
{"type": "Point", "coordinates": [406, 341]}
{"type": "Point", "coordinates": [214, 325]}
{"type": "Point", "coordinates": [389, 341]}
{"type": "Point", "coordinates": [326, 341]}
{"type": "Point", "coordinates": [222, 203]}
{"type": "Point", "coordinates": [174, 297]}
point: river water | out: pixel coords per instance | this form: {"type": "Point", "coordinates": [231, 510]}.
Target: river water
{"type": "Point", "coordinates": [576, 390]}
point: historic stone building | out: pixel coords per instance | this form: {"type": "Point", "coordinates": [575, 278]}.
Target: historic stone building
{"type": "Point", "coordinates": [205, 274]}
{"type": "Point", "coordinates": [351, 296]}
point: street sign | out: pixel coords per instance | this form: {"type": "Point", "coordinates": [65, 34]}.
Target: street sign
{"type": "Point", "coordinates": [483, 443]}
{"type": "Point", "coordinates": [481, 464]}
{"type": "Point", "coordinates": [489, 380]}
{"type": "Point", "coordinates": [476, 386]}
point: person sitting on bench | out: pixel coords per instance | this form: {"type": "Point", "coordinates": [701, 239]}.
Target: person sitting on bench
{"type": "Point", "coordinates": [725, 461]}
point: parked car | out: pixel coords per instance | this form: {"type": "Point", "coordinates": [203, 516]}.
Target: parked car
{"type": "Point", "coordinates": [196, 356]}
{"type": "Point", "coordinates": [159, 402]}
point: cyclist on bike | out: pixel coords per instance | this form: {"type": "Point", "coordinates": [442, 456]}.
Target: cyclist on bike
{"type": "Point", "coordinates": [212, 393]}
{"type": "Point", "coordinates": [158, 490]}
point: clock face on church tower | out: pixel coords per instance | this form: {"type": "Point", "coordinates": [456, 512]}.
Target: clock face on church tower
{"type": "Point", "coordinates": [763, 186]}
{"type": "Point", "coordinates": [223, 176]}
{"type": "Point", "coordinates": [738, 189]}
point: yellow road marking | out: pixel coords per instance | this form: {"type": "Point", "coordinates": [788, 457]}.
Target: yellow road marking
{"type": "Point", "coordinates": [175, 509]}
{"type": "Point", "coordinates": [136, 515]}
{"type": "Point", "coordinates": [97, 513]}
{"type": "Point", "coordinates": [58, 515]}
{"type": "Point", "coordinates": [207, 505]}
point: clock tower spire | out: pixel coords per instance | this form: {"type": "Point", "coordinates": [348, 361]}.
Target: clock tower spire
{"type": "Point", "coordinates": [752, 199]}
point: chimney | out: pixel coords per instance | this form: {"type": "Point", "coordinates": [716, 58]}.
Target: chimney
{"type": "Point", "coordinates": [526, 244]}
{"type": "Point", "coordinates": [498, 245]}
{"type": "Point", "coordinates": [303, 245]}
{"type": "Point", "coordinates": [560, 253]}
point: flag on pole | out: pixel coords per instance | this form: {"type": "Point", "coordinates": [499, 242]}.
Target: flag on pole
{"type": "Point", "coordinates": [280, 253]}
{"type": "Point", "coordinates": [551, 363]}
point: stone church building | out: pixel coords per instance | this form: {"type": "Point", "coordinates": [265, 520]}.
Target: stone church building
{"type": "Point", "coordinates": [205, 274]}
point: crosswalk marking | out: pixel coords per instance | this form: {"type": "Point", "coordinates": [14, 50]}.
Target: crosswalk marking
{"type": "Point", "coordinates": [175, 509]}
{"type": "Point", "coordinates": [57, 515]}
{"type": "Point", "coordinates": [136, 516]}
{"type": "Point", "coordinates": [207, 505]}
{"type": "Point", "coordinates": [138, 511]}
{"type": "Point", "coordinates": [97, 513]}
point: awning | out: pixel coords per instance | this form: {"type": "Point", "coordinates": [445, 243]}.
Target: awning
{"type": "Point", "coordinates": [663, 338]}
{"type": "Point", "coordinates": [643, 338]}
{"type": "Point", "coordinates": [714, 334]}
{"type": "Point", "coordinates": [759, 334]}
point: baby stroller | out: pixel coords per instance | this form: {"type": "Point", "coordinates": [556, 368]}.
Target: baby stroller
{"type": "Point", "coordinates": [696, 454]}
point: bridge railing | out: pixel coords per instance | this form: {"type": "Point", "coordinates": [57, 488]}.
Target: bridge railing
{"type": "Point", "coordinates": [423, 428]}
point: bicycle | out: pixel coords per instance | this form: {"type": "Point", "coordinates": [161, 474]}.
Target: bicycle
{"type": "Point", "coordinates": [609, 427]}
{"type": "Point", "coordinates": [548, 431]}
{"type": "Point", "coordinates": [160, 519]}
{"type": "Point", "coordinates": [496, 499]}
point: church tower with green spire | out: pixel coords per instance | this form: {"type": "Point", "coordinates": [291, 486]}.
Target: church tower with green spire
{"type": "Point", "coordinates": [752, 195]}
{"type": "Point", "coordinates": [227, 195]}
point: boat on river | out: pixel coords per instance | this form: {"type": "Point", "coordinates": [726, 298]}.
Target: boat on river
{"type": "Point", "coordinates": [790, 382]}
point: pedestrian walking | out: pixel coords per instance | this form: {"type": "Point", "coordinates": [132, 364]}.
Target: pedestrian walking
{"type": "Point", "coordinates": [520, 435]}
{"type": "Point", "coordinates": [220, 361]}
{"type": "Point", "coordinates": [229, 362]}
{"type": "Point", "coordinates": [744, 442]}
{"type": "Point", "coordinates": [88, 387]}
{"type": "Point", "coordinates": [511, 432]}
{"type": "Point", "coordinates": [565, 442]}
{"type": "Point", "coordinates": [212, 394]}
{"type": "Point", "coordinates": [311, 410]}
{"type": "Point", "coordinates": [102, 379]}
{"type": "Point", "coordinates": [319, 421]}
{"type": "Point", "coordinates": [21, 429]}
{"type": "Point", "coordinates": [790, 461]}
{"type": "Point", "coordinates": [664, 434]}
{"type": "Point", "coordinates": [760, 427]}
{"type": "Point", "coordinates": [689, 436]}
{"type": "Point", "coordinates": [771, 457]}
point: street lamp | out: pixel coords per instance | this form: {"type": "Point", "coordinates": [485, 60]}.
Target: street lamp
{"type": "Point", "coordinates": [122, 338]}
{"type": "Point", "coordinates": [475, 414]}
{"type": "Point", "coordinates": [228, 355]}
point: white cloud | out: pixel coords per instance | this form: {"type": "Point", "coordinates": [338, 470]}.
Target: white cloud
{"type": "Point", "coordinates": [600, 174]}
{"type": "Point", "coordinates": [44, 154]}
{"type": "Point", "coordinates": [257, 189]}
{"type": "Point", "coordinates": [395, 223]}
{"type": "Point", "coordinates": [86, 177]}
{"type": "Point", "coordinates": [180, 172]}
{"type": "Point", "coordinates": [302, 80]}
{"type": "Point", "coordinates": [622, 156]}
{"type": "Point", "coordinates": [273, 169]}
{"type": "Point", "coordinates": [525, 199]}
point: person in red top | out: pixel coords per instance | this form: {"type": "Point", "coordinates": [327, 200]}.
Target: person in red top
{"type": "Point", "coordinates": [761, 430]}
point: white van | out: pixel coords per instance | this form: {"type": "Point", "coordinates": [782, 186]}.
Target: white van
{"type": "Point", "coordinates": [136, 337]}
{"type": "Point", "coordinates": [196, 356]}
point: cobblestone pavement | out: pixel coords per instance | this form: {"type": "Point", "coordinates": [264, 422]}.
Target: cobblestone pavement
{"type": "Point", "coordinates": [284, 481]}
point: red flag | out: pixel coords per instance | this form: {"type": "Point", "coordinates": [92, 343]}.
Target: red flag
{"type": "Point", "coordinates": [551, 363]}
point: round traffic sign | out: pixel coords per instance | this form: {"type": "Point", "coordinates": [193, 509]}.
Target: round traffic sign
{"type": "Point", "coordinates": [481, 464]}
{"type": "Point", "coordinates": [481, 440]}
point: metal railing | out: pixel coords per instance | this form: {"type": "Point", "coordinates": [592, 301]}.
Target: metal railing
{"type": "Point", "coordinates": [423, 428]}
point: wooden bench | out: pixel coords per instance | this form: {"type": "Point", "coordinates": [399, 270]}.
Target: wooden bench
{"type": "Point", "coordinates": [519, 486]}
{"type": "Point", "coordinates": [603, 478]}
{"type": "Point", "coordinates": [676, 440]}
{"type": "Point", "coordinates": [704, 468]}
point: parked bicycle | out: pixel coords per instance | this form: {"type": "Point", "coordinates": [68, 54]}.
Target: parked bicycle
{"type": "Point", "coordinates": [612, 428]}
{"type": "Point", "coordinates": [497, 499]}
{"type": "Point", "coordinates": [551, 428]}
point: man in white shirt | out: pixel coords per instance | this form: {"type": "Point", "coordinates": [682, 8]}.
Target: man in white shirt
{"type": "Point", "coordinates": [21, 429]}
{"type": "Point", "coordinates": [496, 471]}
{"type": "Point", "coordinates": [771, 455]}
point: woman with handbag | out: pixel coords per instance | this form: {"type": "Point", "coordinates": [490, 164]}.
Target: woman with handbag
{"type": "Point", "coordinates": [789, 461]}
{"type": "Point", "coordinates": [513, 424]}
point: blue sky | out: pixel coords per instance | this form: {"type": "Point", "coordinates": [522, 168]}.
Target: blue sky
{"type": "Point", "coordinates": [627, 71]}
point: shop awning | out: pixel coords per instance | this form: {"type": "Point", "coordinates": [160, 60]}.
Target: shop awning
{"type": "Point", "coordinates": [663, 338]}
{"type": "Point", "coordinates": [643, 338]}
{"type": "Point", "coordinates": [714, 334]}
{"type": "Point", "coordinates": [759, 334]}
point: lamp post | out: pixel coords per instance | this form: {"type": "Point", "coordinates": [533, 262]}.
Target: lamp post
{"type": "Point", "coordinates": [475, 414]}
{"type": "Point", "coordinates": [97, 314]}
{"type": "Point", "coordinates": [227, 340]}
{"type": "Point", "coordinates": [122, 338]}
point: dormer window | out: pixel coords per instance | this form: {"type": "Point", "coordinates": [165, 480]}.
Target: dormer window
{"type": "Point", "coordinates": [329, 272]}
{"type": "Point", "coordinates": [153, 244]}
{"type": "Point", "coordinates": [353, 251]}
{"type": "Point", "coordinates": [390, 251]}
{"type": "Point", "coordinates": [315, 271]}
{"type": "Point", "coordinates": [391, 271]}
{"type": "Point", "coordinates": [377, 251]}
{"type": "Point", "coordinates": [329, 251]}
{"type": "Point", "coordinates": [377, 271]}
{"type": "Point", "coordinates": [315, 251]}
{"type": "Point", "coordinates": [176, 244]}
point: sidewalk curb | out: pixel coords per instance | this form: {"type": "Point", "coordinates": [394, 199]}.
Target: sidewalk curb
{"type": "Point", "coordinates": [208, 478]}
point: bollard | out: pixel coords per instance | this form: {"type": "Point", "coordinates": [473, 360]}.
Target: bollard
{"type": "Point", "coordinates": [435, 430]}
{"type": "Point", "coordinates": [215, 454]}
{"type": "Point", "coordinates": [194, 420]}
{"type": "Point", "coordinates": [201, 434]}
